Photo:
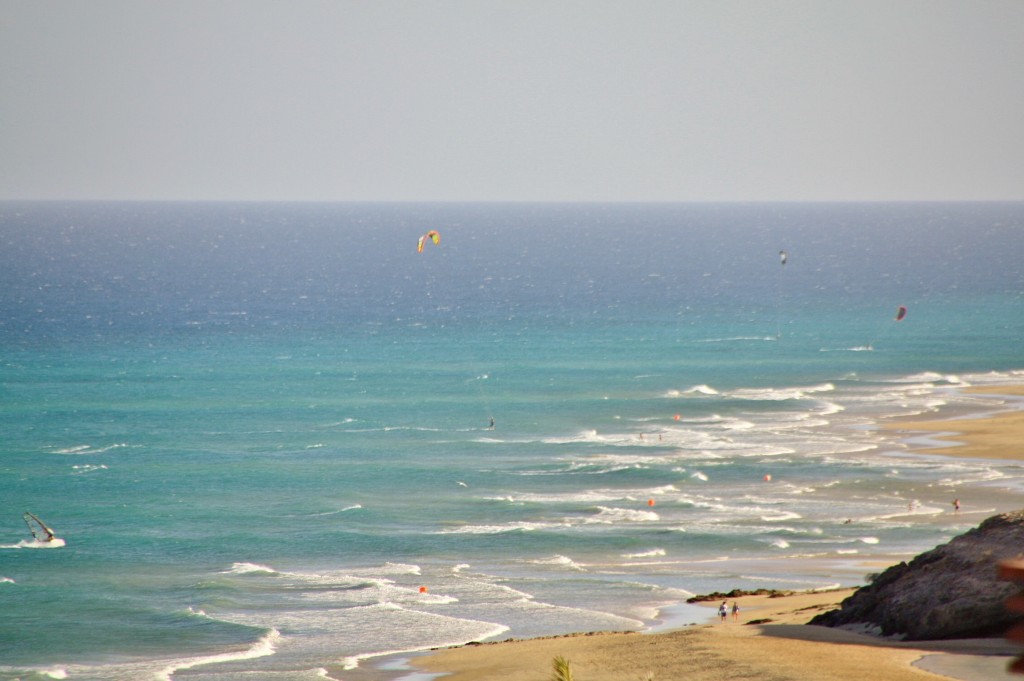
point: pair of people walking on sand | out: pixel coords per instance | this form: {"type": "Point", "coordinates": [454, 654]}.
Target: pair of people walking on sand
{"type": "Point", "coordinates": [723, 611]}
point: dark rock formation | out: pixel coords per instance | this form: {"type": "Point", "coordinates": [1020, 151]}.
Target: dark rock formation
{"type": "Point", "coordinates": [737, 593]}
{"type": "Point", "coordinates": [952, 591]}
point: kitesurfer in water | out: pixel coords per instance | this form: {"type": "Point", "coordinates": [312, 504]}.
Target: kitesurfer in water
{"type": "Point", "coordinates": [491, 426]}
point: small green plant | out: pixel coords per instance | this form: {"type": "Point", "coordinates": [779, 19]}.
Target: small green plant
{"type": "Point", "coordinates": [561, 669]}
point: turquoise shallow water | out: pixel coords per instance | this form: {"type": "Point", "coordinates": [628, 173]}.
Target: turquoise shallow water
{"type": "Point", "coordinates": [262, 431]}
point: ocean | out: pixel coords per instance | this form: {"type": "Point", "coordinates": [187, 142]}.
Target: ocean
{"type": "Point", "coordinates": [263, 432]}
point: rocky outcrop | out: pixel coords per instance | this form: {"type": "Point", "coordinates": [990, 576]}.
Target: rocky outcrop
{"type": "Point", "coordinates": [952, 591]}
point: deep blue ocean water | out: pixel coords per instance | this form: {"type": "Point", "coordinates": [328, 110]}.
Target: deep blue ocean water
{"type": "Point", "coordinates": [262, 432]}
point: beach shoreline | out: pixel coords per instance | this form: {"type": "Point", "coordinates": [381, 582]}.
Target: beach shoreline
{"type": "Point", "coordinates": [980, 434]}
{"type": "Point", "coordinates": [768, 639]}
{"type": "Point", "coordinates": [769, 636]}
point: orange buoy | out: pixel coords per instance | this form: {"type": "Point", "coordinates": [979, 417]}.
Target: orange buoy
{"type": "Point", "coordinates": [650, 502]}
{"type": "Point", "coordinates": [423, 589]}
{"type": "Point", "coordinates": [677, 417]}
{"type": "Point", "coordinates": [767, 477]}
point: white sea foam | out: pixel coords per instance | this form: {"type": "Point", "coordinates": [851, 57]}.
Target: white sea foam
{"type": "Point", "coordinates": [652, 553]}
{"type": "Point", "coordinates": [617, 515]}
{"type": "Point", "coordinates": [587, 496]}
{"type": "Point", "coordinates": [81, 469]}
{"type": "Point", "coordinates": [787, 515]}
{"type": "Point", "coordinates": [827, 409]}
{"type": "Point", "coordinates": [970, 477]}
{"type": "Point", "coordinates": [343, 422]}
{"type": "Point", "coordinates": [559, 561]}
{"type": "Point", "coordinates": [610, 463]}
{"type": "Point", "coordinates": [516, 526]}
{"type": "Point", "coordinates": [353, 507]}
{"type": "Point", "coordinates": [589, 435]}
{"type": "Point", "coordinates": [780, 394]}
{"type": "Point", "coordinates": [923, 377]}
{"type": "Point", "coordinates": [55, 543]}
{"type": "Point", "coordinates": [409, 631]}
{"type": "Point", "coordinates": [76, 449]}
{"type": "Point", "coordinates": [400, 569]}
{"type": "Point", "coordinates": [89, 449]}
{"type": "Point", "coordinates": [261, 648]}
{"type": "Point", "coordinates": [249, 568]}
{"type": "Point", "coordinates": [597, 467]}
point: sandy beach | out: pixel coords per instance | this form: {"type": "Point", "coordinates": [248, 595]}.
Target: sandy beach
{"type": "Point", "coordinates": [768, 639]}
{"type": "Point", "coordinates": [995, 436]}
{"type": "Point", "coordinates": [781, 648]}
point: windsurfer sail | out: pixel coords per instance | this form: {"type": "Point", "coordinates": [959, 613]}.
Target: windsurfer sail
{"type": "Point", "coordinates": [38, 528]}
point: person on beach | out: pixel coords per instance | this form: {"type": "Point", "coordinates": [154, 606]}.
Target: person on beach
{"type": "Point", "coordinates": [735, 611]}
{"type": "Point", "coordinates": [723, 611]}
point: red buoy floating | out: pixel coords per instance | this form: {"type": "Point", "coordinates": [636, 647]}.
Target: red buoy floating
{"type": "Point", "coordinates": [423, 589]}
{"type": "Point", "coordinates": [650, 502]}
{"type": "Point", "coordinates": [677, 417]}
{"type": "Point", "coordinates": [767, 477]}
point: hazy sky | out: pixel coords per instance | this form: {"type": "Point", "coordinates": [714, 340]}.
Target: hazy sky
{"type": "Point", "coordinates": [486, 100]}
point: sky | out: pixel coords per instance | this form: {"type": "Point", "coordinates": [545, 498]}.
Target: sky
{"type": "Point", "coordinates": [512, 100]}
